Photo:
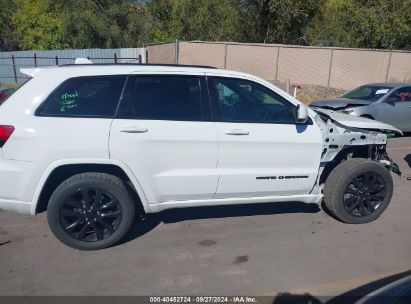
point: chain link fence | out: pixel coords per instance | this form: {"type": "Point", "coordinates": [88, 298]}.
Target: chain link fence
{"type": "Point", "coordinates": [321, 72]}
{"type": "Point", "coordinates": [11, 62]}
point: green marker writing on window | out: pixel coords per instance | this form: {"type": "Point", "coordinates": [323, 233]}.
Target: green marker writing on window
{"type": "Point", "coordinates": [68, 101]}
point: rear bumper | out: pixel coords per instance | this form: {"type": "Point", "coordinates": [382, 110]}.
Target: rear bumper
{"type": "Point", "coordinates": [18, 181]}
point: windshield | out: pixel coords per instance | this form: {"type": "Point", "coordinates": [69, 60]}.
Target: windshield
{"type": "Point", "coordinates": [368, 93]}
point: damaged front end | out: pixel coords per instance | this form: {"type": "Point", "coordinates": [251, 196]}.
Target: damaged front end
{"type": "Point", "coordinates": [339, 104]}
{"type": "Point", "coordinates": [353, 138]}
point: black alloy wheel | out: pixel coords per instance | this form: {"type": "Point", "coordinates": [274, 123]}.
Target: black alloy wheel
{"type": "Point", "coordinates": [358, 190]}
{"type": "Point", "coordinates": [91, 211]}
{"type": "Point", "coordinates": [90, 214]}
{"type": "Point", "coordinates": [364, 194]}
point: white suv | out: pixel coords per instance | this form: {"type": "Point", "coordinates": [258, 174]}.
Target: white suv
{"type": "Point", "coordinates": [91, 143]}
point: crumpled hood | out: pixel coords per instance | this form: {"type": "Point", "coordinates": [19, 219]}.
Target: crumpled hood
{"type": "Point", "coordinates": [339, 103]}
{"type": "Point", "coordinates": [358, 122]}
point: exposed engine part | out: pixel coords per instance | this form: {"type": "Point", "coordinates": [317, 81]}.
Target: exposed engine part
{"type": "Point", "coordinates": [342, 143]}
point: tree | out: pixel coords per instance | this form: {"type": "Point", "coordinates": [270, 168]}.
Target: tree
{"type": "Point", "coordinates": [133, 23]}
{"type": "Point", "coordinates": [195, 20]}
{"type": "Point", "coordinates": [104, 24]}
{"type": "Point", "coordinates": [35, 26]}
{"type": "Point", "coordinates": [55, 24]}
{"type": "Point", "coordinates": [161, 13]}
{"type": "Point", "coordinates": [8, 41]}
{"type": "Point", "coordinates": [277, 21]}
{"type": "Point", "coordinates": [86, 24]}
{"type": "Point", "coordinates": [214, 20]}
{"type": "Point", "coordinates": [371, 24]}
{"type": "Point", "coordinates": [59, 24]}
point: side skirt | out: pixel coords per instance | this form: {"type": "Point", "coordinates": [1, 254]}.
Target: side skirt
{"type": "Point", "coordinates": [309, 199]}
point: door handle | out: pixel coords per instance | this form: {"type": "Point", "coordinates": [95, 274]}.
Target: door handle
{"type": "Point", "coordinates": [134, 129]}
{"type": "Point", "coordinates": [237, 132]}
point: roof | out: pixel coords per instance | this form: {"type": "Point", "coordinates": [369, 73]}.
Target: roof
{"type": "Point", "coordinates": [139, 64]}
{"type": "Point", "coordinates": [124, 68]}
{"type": "Point", "coordinates": [118, 68]}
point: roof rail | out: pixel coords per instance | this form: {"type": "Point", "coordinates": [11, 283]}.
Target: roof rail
{"type": "Point", "coordinates": [138, 64]}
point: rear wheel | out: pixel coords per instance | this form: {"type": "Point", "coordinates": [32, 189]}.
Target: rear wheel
{"type": "Point", "coordinates": [90, 211]}
{"type": "Point", "coordinates": [358, 191]}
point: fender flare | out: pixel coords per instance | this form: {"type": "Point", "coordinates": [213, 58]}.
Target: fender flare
{"type": "Point", "coordinates": [94, 161]}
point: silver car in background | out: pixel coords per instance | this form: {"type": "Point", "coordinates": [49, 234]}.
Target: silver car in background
{"type": "Point", "coordinates": [385, 102]}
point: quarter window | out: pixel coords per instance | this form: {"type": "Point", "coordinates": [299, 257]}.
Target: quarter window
{"type": "Point", "coordinates": [245, 101]}
{"type": "Point", "coordinates": [167, 98]}
{"type": "Point", "coordinates": [96, 96]}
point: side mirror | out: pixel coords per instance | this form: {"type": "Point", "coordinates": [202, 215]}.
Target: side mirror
{"type": "Point", "coordinates": [302, 114]}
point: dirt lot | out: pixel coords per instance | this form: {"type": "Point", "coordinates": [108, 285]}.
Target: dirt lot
{"type": "Point", "coordinates": [250, 250]}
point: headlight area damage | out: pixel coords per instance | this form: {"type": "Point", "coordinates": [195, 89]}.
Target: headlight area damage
{"type": "Point", "coordinates": [352, 139]}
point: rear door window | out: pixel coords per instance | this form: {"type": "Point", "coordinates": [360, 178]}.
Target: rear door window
{"type": "Point", "coordinates": [95, 96]}
{"type": "Point", "coordinates": [167, 97]}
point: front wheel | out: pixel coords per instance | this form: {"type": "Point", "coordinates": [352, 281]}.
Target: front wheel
{"type": "Point", "coordinates": [358, 191]}
{"type": "Point", "coordinates": [90, 211]}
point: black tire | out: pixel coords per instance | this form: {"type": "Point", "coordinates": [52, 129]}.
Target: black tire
{"type": "Point", "coordinates": [358, 191]}
{"type": "Point", "coordinates": [100, 202]}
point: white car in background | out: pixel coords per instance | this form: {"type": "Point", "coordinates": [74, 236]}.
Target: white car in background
{"type": "Point", "coordinates": [92, 143]}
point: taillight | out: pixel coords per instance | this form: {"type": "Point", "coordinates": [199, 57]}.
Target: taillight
{"type": "Point", "coordinates": [5, 133]}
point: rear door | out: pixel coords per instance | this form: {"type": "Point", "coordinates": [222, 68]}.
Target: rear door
{"type": "Point", "coordinates": [262, 151]}
{"type": "Point", "coordinates": [165, 135]}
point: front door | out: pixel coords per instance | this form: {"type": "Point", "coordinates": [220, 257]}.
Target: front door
{"type": "Point", "coordinates": [262, 151]}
